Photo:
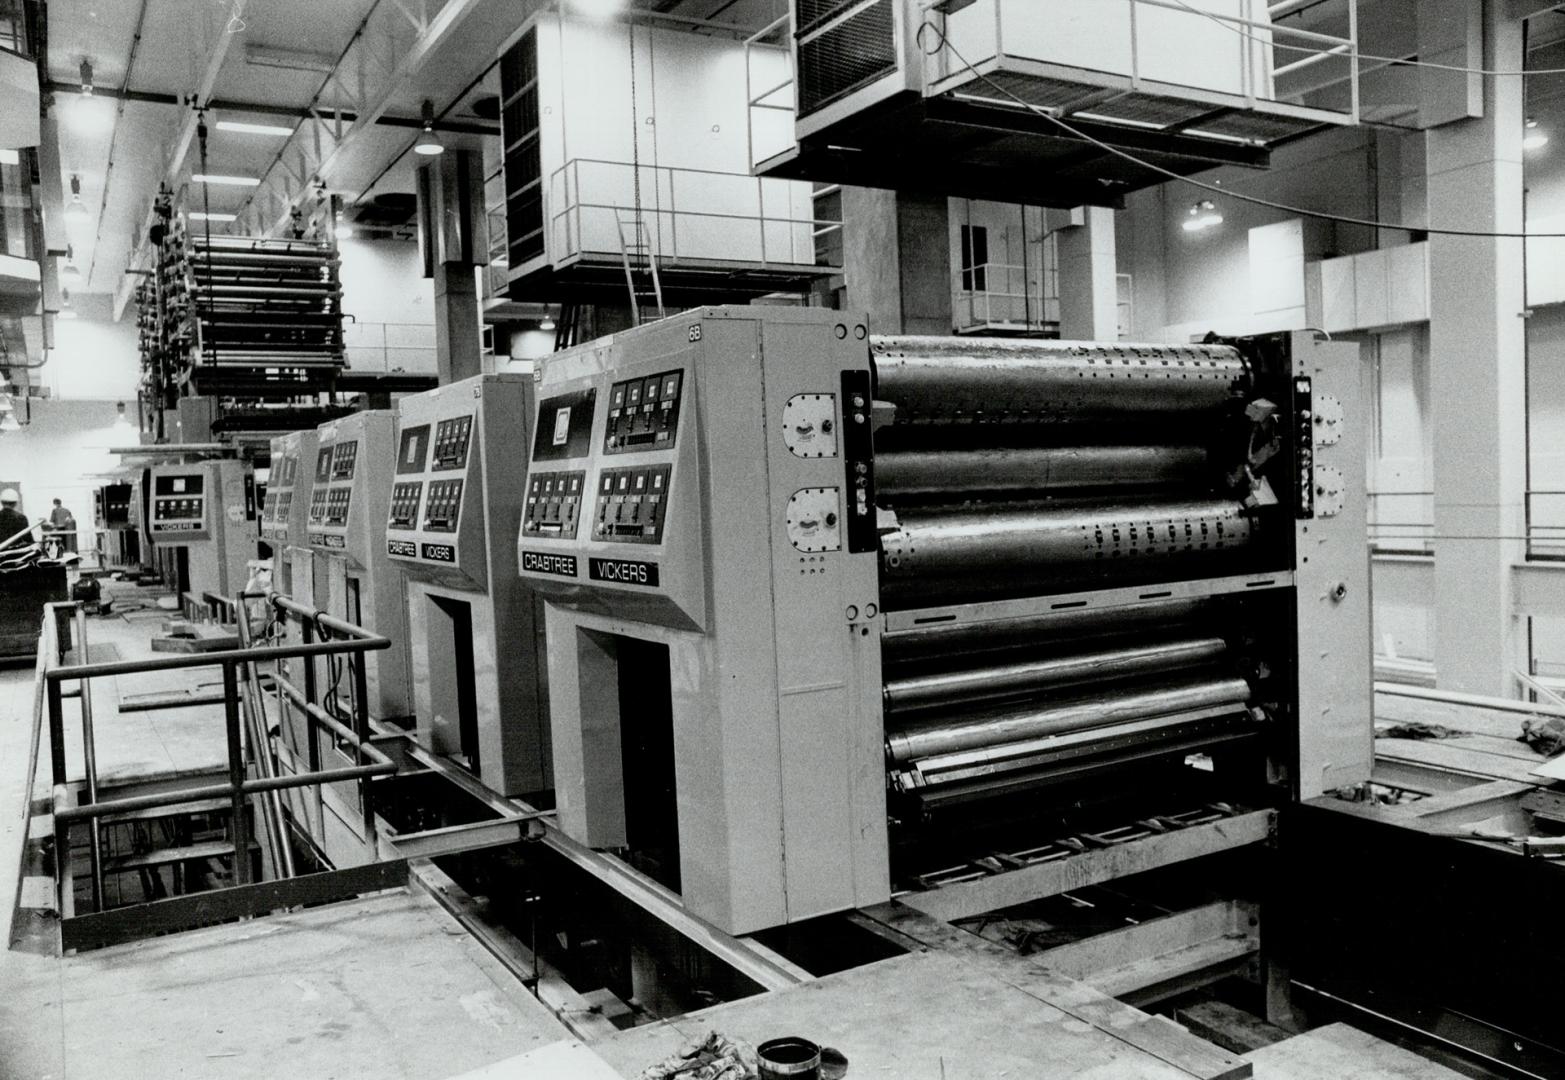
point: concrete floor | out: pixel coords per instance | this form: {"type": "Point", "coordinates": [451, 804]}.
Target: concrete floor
{"type": "Point", "coordinates": [385, 986]}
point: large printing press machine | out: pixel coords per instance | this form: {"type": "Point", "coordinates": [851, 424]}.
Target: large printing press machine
{"type": "Point", "coordinates": [791, 615]}
{"type": "Point", "coordinates": [825, 609]}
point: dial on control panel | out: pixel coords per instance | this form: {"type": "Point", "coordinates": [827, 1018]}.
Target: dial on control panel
{"type": "Point", "coordinates": [814, 520]}
{"type": "Point", "coordinates": [1328, 420]}
{"type": "Point", "coordinates": [1329, 491]}
{"type": "Point", "coordinates": [810, 425]}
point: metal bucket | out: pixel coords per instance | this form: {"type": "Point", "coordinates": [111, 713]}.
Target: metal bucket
{"type": "Point", "coordinates": [789, 1058]}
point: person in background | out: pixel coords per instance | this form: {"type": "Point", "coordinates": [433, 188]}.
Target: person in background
{"type": "Point", "coordinates": [64, 524]}
{"type": "Point", "coordinates": [56, 537]}
{"type": "Point", "coordinates": [12, 521]}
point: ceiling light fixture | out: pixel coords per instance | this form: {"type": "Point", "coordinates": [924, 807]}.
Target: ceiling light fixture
{"type": "Point", "coordinates": [198, 215]}
{"type": "Point", "coordinates": [1533, 138]}
{"type": "Point", "coordinates": [70, 269]}
{"type": "Point", "coordinates": [427, 144]}
{"type": "Point", "coordinates": [76, 209]}
{"type": "Point", "coordinates": [343, 232]}
{"type": "Point", "coordinates": [1203, 215]}
{"type": "Point", "coordinates": [547, 324]}
{"type": "Point", "coordinates": [227, 181]}
{"type": "Point", "coordinates": [243, 127]}
{"type": "Point", "coordinates": [597, 9]}
{"type": "Point", "coordinates": [86, 78]}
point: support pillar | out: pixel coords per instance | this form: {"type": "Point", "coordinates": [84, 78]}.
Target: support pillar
{"type": "Point", "coordinates": [450, 220]}
{"type": "Point", "coordinates": [1089, 286]}
{"type": "Point", "coordinates": [896, 255]}
{"type": "Point", "coordinates": [1477, 376]}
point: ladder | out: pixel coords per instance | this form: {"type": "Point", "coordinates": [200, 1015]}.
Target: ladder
{"type": "Point", "coordinates": [565, 329]}
{"type": "Point", "coordinates": [634, 247]}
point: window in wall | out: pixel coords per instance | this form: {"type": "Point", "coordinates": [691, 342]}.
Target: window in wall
{"type": "Point", "coordinates": [975, 258]}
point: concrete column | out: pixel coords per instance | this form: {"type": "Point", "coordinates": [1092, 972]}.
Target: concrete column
{"type": "Point", "coordinates": [1477, 376]}
{"type": "Point", "coordinates": [458, 332]}
{"type": "Point", "coordinates": [896, 254]}
{"type": "Point", "coordinates": [1089, 289]}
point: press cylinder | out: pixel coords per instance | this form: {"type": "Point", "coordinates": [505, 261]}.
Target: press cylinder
{"type": "Point", "coordinates": [1025, 676]}
{"type": "Point", "coordinates": [998, 727]}
{"type": "Point", "coordinates": [960, 474]}
{"type": "Point", "coordinates": [957, 380]}
{"type": "Point", "coordinates": [999, 550]}
{"type": "Point", "coordinates": [952, 638]}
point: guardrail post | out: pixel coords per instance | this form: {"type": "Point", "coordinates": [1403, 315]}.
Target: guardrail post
{"type": "Point", "coordinates": [307, 632]}
{"type": "Point", "coordinates": [361, 728]}
{"type": "Point", "coordinates": [56, 733]}
{"type": "Point", "coordinates": [240, 828]}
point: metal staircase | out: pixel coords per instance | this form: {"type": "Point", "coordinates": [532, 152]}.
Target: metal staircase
{"type": "Point", "coordinates": [637, 248]}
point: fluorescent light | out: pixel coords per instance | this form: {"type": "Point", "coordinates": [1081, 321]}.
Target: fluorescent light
{"type": "Point", "coordinates": [10, 157]}
{"type": "Point", "coordinates": [66, 313]}
{"type": "Point", "coordinates": [242, 127]}
{"type": "Point", "coordinates": [228, 181]}
{"type": "Point", "coordinates": [197, 215]}
{"type": "Point", "coordinates": [597, 9]}
{"type": "Point", "coordinates": [90, 115]}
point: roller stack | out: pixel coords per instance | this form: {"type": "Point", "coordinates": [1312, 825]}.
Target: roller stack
{"type": "Point", "coordinates": [241, 318]}
{"type": "Point", "coordinates": [1010, 470]}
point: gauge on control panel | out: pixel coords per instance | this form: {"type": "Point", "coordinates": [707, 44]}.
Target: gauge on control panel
{"type": "Point", "coordinates": [1329, 491]}
{"type": "Point", "coordinates": [1328, 420]}
{"type": "Point", "coordinates": [810, 425]}
{"type": "Point", "coordinates": [814, 521]}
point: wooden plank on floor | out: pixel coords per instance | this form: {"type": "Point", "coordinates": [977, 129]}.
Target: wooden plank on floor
{"type": "Point", "coordinates": [1434, 752]}
{"type": "Point", "coordinates": [1336, 1051]}
{"type": "Point", "coordinates": [1152, 1035]}
{"type": "Point", "coordinates": [991, 893]}
{"type": "Point", "coordinates": [1160, 952]}
{"type": "Point", "coordinates": [1233, 1029]}
{"type": "Point", "coordinates": [36, 892]}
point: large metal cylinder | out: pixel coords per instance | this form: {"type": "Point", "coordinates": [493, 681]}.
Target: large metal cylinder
{"type": "Point", "coordinates": [942, 555]}
{"type": "Point", "coordinates": [1019, 677]}
{"type": "Point", "coordinates": [957, 380]}
{"type": "Point", "coordinates": [959, 474]}
{"type": "Point", "coordinates": [952, 638]}
{"type": "Point", "coordinates": [1031, 722]}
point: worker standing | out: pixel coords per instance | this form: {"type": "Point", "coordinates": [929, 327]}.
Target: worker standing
{"type": "Point", "coordinates": [60, 521]}
{"type": "Point", "coordinates": [12, 521]}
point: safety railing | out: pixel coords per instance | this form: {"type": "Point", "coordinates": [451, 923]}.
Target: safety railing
{"type": "Point", "coordinates": [389, 348]}
{"type": "Point", "coordinates": [1546, 526]}
{"type": "Point", "coordinates": [1002, 296]}
{"type": "Point", "coordinates": [254, 769]}
{"type": "Point", "coordinates": [1402, 522]}
{"type": "Point", "coordinates": [1240, 49]}
{"type": "Point", "coordinates": [771, 102]}
{"type": "Point", "coordinates": [691, 215]}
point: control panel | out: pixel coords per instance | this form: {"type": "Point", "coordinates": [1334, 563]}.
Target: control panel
{"type": "Point", "coordinates": [179, 505]}
{"type": "Point", "coordinates": [631, 504]}
{"type": "Point", "coordinates": [441, 501]}
{"type": "Point", "coordinates": [553, 504]}
{"type": "Point", "coordinates": [405, 501]}
{"type": "Point", "coordinates": [353, 466]}
{"type": "Point", "coordinates": [643, 413]}
{"type": "Point", "coordinates": [288, 488]}
{"type": "Point", "coordinates": [451, 440]}
{"type": "Point", "coordinates": [444, 505]}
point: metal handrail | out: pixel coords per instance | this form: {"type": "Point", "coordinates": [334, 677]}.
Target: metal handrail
{"type": "Point", "coordinates": [566, 181]}
{"type": "Point", "coordinates": [371, 761]}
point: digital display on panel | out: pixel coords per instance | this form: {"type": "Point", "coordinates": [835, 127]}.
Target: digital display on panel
{"type": "Point", "coordinates": [178, 485]}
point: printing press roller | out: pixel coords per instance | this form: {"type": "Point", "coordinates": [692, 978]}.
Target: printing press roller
{"type": "Point", "coordinates": [1019, 677]}
{"type": "Point", "coordinates": [933, 475]}
{"type": "Point", "coordinates": [940, 555]}
{"type": "Point", "coordinates": [954, 380]}
{"type": "Point", "coordinates": [1087, 711]}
